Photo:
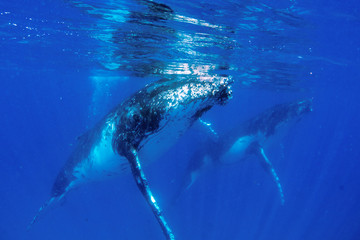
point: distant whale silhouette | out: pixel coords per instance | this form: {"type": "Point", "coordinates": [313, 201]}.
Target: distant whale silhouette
{"type": "Point", "coordinates": [145, 125]}
{"type": "Point", "coordinates": [245, 140]}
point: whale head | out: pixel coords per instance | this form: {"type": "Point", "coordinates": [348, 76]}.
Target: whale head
{"type": "Point", "coordinates": [302, 107]}
{"type": "Point", "coordinates": [164, 104]}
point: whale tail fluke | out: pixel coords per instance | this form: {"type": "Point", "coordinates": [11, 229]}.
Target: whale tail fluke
{"type": "Point", "coordinates": [42, 209]}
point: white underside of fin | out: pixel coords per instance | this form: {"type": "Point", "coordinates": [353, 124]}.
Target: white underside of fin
{"type": "Point", "coordinates": [274, 175]}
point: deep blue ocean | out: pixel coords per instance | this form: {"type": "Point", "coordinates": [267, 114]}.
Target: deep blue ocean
{"type": "Point", "coordinates": [64, 64]}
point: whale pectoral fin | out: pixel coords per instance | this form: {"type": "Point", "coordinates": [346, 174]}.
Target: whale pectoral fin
{"type": "Point", "coordinates": [209, 128]}
{"type": "Point", "coordinates": [144, 188]}
{"type": "Point", "coordinates": [270, 169]}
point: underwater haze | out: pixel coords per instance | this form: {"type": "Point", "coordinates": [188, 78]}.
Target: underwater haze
{"type": "Point", "coordinates": [64, 64]}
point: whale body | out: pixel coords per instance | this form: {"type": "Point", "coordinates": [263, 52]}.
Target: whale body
{"type": "Point", "coordinates": [142, 127]}
{"type": "Point", "coordinates": [245, 140]}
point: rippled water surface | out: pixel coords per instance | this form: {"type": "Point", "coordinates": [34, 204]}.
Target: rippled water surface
{"type": "Point", "coordinates": [254, 42]}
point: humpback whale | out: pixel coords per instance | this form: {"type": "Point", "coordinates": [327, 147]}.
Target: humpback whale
{"type": "Point", "coordinates": [245, 140]}
{"type": "Point", "coordinates": [142, 127]}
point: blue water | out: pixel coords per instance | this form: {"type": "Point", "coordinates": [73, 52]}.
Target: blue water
{"type": "Point", "coordinates": [65, 64]}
